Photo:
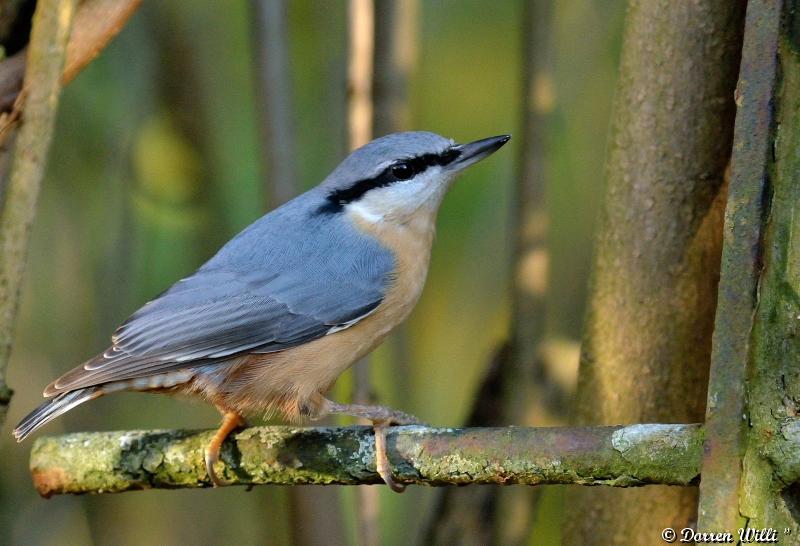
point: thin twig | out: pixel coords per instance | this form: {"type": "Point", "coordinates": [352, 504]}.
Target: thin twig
{"type": "Point", "coordinates": [96, 24]}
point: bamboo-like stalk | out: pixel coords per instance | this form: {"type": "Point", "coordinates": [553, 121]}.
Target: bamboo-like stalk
{"type": "Point", "coordinates": [361, 27]}
{"type": "Point", "coordinates": [361, 24]}
{"type": "Point", "coordinates": [647, 339]}
{"type": "Point", "coordinates": [361, 47]}
{"type": "Point", "coordinates": [110, 462]}
{"type": "Point", "coordinates": [52, 22]}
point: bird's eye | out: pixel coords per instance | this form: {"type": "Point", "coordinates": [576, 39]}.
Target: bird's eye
{"type": "Point", "coordinates": [402, 171]}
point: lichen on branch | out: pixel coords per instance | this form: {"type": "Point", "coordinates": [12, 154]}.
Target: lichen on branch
{"type": "Point", "coordinates": [621, 456]}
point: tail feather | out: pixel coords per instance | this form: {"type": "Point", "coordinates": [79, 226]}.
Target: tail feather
{"type": "Point", "coordinates": [53, 408]}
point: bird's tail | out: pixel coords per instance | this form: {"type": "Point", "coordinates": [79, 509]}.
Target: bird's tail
{"type": "Point", "coordinates": [54, 407]}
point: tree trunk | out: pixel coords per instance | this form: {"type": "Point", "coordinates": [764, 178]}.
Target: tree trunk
{"type": "Point", "coordinates": [647, 338]}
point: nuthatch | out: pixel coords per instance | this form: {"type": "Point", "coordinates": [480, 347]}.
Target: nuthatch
{"type": "Point", "coordinates": [271, 321]}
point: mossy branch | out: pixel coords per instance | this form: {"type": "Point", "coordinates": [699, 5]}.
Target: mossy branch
{"type": "Point", "coordinates": [621, 456]}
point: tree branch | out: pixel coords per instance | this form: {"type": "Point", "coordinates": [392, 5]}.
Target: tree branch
{"type": "Point", "coordinates": [110, 462]}
{"type": "Point", "coordinates": [96, 23]}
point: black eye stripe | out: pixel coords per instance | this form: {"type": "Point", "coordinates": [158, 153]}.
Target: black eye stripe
{"type": "Point", "coordinates": [337, 199]}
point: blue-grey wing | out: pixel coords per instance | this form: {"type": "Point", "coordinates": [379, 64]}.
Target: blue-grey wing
{"type": "Point", "coordinates": [304, 286]}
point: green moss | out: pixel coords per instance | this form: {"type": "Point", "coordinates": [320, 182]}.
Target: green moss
{"type": "Point", "coordinates": [616, 456]}
{"type": "Point", "coordinates": [773, 386]}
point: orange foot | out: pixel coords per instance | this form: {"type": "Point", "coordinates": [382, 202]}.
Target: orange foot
{"type": "Point", "coordinates": [230, 422]}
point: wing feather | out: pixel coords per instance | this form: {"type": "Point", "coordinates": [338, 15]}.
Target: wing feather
{"type": "Point", "coordinates": [232, 306]}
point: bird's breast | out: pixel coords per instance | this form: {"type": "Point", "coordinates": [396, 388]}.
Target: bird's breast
{"type": "Point", "coordinates": [410, 245]}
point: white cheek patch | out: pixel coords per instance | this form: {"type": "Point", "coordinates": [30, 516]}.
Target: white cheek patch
{"type": "Point", "coordinates": [364, 212]}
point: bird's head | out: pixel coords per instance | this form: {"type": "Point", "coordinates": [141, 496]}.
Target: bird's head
{"type": "Point", "coordinates": [394, 176]}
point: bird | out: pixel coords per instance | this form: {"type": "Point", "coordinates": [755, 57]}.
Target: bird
{"type": "Point", "coordinates": [270, 321]}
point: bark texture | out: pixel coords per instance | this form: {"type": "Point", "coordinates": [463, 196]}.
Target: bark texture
{"type": "Point", "coordinates": [755, 372]}
{"type": "Point", "coordinates": [110, 462]}
{"type": "Point", "coordinates": [753, 148]}
{"type": "Point", "coordinates": [769, 496]}
{"type": "Point", "coordinates": [647, 339]}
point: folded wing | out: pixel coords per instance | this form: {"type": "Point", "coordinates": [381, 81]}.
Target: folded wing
{"type": "Point", "coordinates": [232, 306]}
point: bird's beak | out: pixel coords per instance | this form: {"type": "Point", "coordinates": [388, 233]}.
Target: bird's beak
{"type": "Point", "coordinates": [472, 152]}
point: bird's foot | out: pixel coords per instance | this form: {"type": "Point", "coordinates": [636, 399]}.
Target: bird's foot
{"type": "Point", "coordinates": [382, 418]}
{"type": "Point", "coordinates": [230, 422]}
{"type": "Point", "coordinates": [382, 464]}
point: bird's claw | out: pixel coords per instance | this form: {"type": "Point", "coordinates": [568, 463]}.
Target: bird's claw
{"type": "Point", "coordinates": [211, 458]}
{"type": "Point", "coordinates": [382, 465]}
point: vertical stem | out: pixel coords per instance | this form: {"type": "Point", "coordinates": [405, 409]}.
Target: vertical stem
{"type": "Point", "coordinates": [394, 62]}
{"type": "Point", "coordinates": [361, 25]}
{"type": "Point", "coordinates": [524, 380]}
{"type": "Point", "coordinates": [513, 387]}
{"type": "Point", "coordinates": [769, 495]}
{"type": "Point", "coordinates": [722, 496]}
{"type": "Point", "coordinates": [359, 120]}
{"type": "Point", "coordinates": [359, 72]}
{"type": "Point", "coordinates": [51, 27]}
{"type": "Point", "coordinates": [530, 213]}
{"type": "Point", "coordinates": [395, 56]}
{"type": "Point", "coordinates": [647, 339]}
{"type": "Point", "coordinates": [275, 94]}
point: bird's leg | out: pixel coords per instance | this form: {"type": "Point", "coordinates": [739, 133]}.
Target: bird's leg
{"type": "Point", "coordinates": [230, 422]}
{"type": "Point", "coordinates": [382, 418]}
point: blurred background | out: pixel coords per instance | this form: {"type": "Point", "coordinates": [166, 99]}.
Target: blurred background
{"type": "Point", "coordinates": [162, 153]}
